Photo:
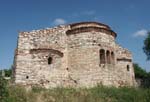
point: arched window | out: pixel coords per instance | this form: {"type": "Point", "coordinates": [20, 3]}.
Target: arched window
{"type": "Point", "coordinates": [128, 68]}
{"type": "Point", "coordinates": [112, 58]}
{"type": "Point", "coordinates": [50, 60]}
{"type": "Point", "coordinates": [102, 56]}
{"type": "Point", "coordinates": [108, 57]}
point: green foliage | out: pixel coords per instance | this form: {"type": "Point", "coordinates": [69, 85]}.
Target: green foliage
{"type": "Point", "coordinates": [146, 47]}
{"type": "Point", "coordinates": [142, 75]}
{"type": "Point", "coordinates": [95, 94]}
{"type": "Point", "coordinates": [17, 94]}
{"type": "Point", "coordinates": [37, 89]}
{"type": "Point", "coordinates": [148, 74]}
{"type": "Point", "coordinates": [3, 89]}
{"type": "Point", "coordinates": [8, 72]}
{"type": "Point", "coordinates": [139, 72]}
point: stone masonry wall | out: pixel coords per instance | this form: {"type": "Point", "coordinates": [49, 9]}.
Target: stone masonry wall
{"type": "Point", "coordinates": [70, 56]}
{"type": "Point", "coordinates": [32, 66]}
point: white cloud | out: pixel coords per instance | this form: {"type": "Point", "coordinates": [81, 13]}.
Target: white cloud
{"type": "Point", "coordinates": [140, 33]}
{"type": "Point", "coordinates": [59, 21]}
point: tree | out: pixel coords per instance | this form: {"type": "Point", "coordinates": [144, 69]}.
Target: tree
{"type": "Point", "coordinates": [139, 72]}
{"type": "Point", "coordinates": [8, 72]}
{"type": "Point", "coordinates": [3, 89]}
{"type": "Point", "coordinates": [146, 47]}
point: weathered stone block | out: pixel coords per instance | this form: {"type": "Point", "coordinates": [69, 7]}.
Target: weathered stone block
{"type": "Point", "coordinates": [77, 55]}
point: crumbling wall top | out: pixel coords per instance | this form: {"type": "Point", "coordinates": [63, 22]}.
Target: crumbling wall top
{"type": "Point", "coordinates": [59, 28]}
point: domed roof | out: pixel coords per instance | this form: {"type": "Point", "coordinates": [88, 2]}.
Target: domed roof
{"type": "Point", "coordinates": [90, 26]}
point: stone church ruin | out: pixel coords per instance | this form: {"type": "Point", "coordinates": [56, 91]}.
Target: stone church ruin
{"type": "Point", "coordinates": [81, 54]}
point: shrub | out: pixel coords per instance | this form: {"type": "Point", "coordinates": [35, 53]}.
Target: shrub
{"type": "Point", "coordinates": [95, 94]}
{"type": "Point", "coordinates": [3, 89]}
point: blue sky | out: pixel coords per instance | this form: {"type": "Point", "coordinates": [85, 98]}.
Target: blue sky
{"type": "Point", "coordinates": [130, 19]}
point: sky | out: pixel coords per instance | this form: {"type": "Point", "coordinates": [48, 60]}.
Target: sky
{"type": "Point", "coordinates": [130, 19]}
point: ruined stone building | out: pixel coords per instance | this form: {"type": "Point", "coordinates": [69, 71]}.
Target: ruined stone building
{"type": "Point", "coordinates": [75, 55]}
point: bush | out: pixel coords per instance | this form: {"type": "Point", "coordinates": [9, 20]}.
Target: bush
{"type": "Point", "coordinates": [95, 94]}
{"type": "Point", "coordinates": [3, 89]}
{"type": "Point", "coordinates": [139, 72]}
{"type": "Point", "coordinates": [8, 72]}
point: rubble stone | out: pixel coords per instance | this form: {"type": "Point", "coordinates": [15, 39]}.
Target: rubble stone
{"type": "Point", "coordinates": [76, 55]}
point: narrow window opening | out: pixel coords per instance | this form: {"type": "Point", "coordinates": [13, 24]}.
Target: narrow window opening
{"type": "Point", "coordinates": [108, 57]}
{"type": "Point", "coordinates": [50, 60]}
{"type": "Point", "coordinates": [112, 58]}
{"type": "Point", "coordinates": [128, 68]}
{"type": "Point", "coordinates": [102, 56]}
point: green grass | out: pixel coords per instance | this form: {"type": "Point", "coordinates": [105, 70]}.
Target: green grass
{"type": "Point", "coordinates": [95, 94]}
{"type": "Point", "coordinates": [12, 93]}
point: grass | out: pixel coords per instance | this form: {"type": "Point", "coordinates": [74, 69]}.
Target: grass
{"type": "Point", "coordinates": [14, 93]}
{"type": "Point", "coordinates": [95, 94]}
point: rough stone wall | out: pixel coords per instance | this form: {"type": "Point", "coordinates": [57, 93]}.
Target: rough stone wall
{"type": "Point", "coordinates": [75, 57]}
{"type": "Point", "coordinates": [84, 62]}
{"type": "Point", "coordinates": [125, 65]}
{"type": "Point", "coordinates": [33, 49]}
